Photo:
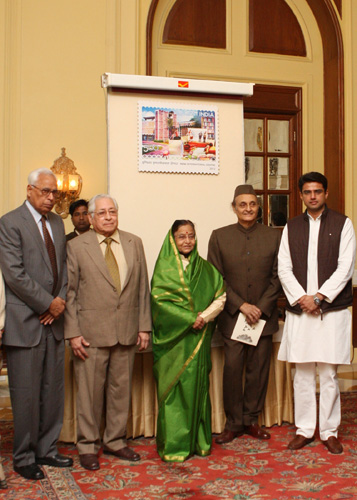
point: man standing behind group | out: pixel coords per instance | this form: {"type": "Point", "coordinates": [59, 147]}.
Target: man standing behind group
{"type": "Point", "coordinates": [316, 264]}
{"type": "Point", "coordinates": [79, 216]}
{"type": "Point", "coordinates": [246, 255]}
{"type": "Point", "coordinates": [33, 262]}
{"type": "Point", "coordinates": [107, 316]}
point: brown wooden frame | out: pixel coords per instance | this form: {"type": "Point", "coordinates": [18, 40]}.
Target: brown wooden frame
{"type": "Point", "coordinates": [282, 102]}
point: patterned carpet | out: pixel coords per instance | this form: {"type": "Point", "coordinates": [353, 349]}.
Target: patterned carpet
{"type": "Point", "coordinates": [246, 469]}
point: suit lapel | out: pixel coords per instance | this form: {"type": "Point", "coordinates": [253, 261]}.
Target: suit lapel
{"type": "Point", "coordinates": [35, 234]}
{"type": "Point", "coordinates": [127, 243]}
{"type": "Point", "coordinates": [94, 251]}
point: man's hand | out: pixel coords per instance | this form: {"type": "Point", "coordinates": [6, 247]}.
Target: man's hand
{"type": "Point", "coordinates": [78, 345]}
{"type": "Point", "coordinates": [55, 310]}
{"type": "Point", "coordinates": [199, 323]}
{"type": "Point", "coordinates": [143, 340]}
{"type": "Point", "coordinates": [57, 307]}
{"type": "Point", "coordinates": [308, 305]}
{"type": "Point", "coordinates": [252, 313]}
{"type": "Point", "coordinates": [46, 318]}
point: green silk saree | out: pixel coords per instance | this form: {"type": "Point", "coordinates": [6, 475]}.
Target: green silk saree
{"type": "Point", "coordinates": [182, 355]}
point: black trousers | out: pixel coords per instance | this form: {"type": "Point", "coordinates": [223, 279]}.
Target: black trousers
{"type": "Point", "coordinates": [244, 391]}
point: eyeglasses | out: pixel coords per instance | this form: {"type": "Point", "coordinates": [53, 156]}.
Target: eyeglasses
{"type": "Point", "coordinates": [101, 214]}
{"type": "Point", "coordinates": [46, 191]}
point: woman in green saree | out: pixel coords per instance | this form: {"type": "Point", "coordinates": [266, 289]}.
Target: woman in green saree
{"type": "Point", "coordinates": [187, 294]}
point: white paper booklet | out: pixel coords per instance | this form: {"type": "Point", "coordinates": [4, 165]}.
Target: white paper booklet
{"type": "Point", "coordinates": [249, 334]}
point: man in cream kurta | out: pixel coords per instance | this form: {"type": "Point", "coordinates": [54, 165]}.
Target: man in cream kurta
{"type": "Point", "coordinates": [317, 329]}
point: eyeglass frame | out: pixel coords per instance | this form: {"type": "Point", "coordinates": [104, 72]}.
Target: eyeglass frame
{"type": "Point", "coordinates": [47, 192]}
{"type": "Point", "coordinates": [102, 213]}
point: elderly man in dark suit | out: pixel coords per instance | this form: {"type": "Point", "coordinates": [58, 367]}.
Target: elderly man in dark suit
{"type": "Point", "coordinates": [107, 316]}
{"type": "Point", "coordinates": [33, 262]}
{"type": "Point", "coordinates": [246, 255]}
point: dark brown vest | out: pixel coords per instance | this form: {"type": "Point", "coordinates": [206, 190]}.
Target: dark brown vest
{"type": "Point", "coordinates": [327, 255]}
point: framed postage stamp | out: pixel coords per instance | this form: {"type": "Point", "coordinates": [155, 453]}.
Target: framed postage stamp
{"type": "Point", "coordinates": [178, 137]}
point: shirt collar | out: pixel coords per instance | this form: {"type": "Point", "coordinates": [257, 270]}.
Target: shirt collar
{"type": "Point", "coordinates": [247, 229]}
{"type": "Point", "coordinates": [312, 219]}
{"type": "Point", "coordinates": [115, 237]}
{"type": "Point", "coordinates": [36, 215]}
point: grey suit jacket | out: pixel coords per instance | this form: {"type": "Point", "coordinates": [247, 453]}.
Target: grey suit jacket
{"type": "Point", "coordinates": [248, 262]}
{"type": "Point", "coordinates": [94, 309]}
{"type": "Point", "coordinates": [28, 276]}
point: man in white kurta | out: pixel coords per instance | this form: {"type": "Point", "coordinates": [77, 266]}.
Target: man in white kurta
{"type": "Point", "coordinates": [319, 335]}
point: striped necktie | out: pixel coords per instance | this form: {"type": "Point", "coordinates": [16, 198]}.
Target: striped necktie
{"type": "Point", "coordinates": [112, 265]}
{"type": "Point", "coordinates": [51, 252]}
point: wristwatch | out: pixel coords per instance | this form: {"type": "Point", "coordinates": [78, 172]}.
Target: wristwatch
{"type": "Point", "coordinates": [317, 300]}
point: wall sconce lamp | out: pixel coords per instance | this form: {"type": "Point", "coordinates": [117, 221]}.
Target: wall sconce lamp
{"type": "Point", "coordinates": [69, 183]}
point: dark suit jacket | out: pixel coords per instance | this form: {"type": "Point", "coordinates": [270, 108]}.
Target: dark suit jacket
{"type": "Point", "coordinates": [71, 235]}
{"type": "Point", "coordinates": [94, 309]}
{"type": "Point", "coordinates": [28, 276]}
{"type": "Point", "coordinates": [248, 262]}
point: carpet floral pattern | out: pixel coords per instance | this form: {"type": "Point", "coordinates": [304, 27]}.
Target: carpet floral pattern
{"type": "Point", "coordinates": [246, 469]}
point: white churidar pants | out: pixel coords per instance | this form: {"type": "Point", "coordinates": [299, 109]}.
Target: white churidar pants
{"type": "Point", "coordinates": [305, 400]}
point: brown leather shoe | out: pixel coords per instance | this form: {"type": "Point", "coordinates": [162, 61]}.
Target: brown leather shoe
{"type": "Point", "coordinates": [89, 461]}
{"type": "Point", "coordinates": [333, 445]}
{"type": "Point", "coordinates": [300, 441]}
{"type": "Point", "coordinates": [256, 431]}
{"type": "Point", "coordinates": [125, 453]}
{"type": "Point", "coordinates": [227, 436]}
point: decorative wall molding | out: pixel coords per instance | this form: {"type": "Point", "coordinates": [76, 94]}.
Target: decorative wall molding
{"type": "Point", "coordinates": [149, 27]}
{"type": "Point", "coordinates": [12, 190]}
{"type": "Point", "coordinates": [334, 129]}
{"type": "Point", "coordinates": [339, 6]}
{"type": "Point", "coordinates": [122, 41]}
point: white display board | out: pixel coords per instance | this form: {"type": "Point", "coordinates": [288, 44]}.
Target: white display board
{"type": "Point", "coordinates": [149, 202]}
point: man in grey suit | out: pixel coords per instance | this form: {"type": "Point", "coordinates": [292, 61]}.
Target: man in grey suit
{"type": "Point", "coordinates": [246, 255]}
{"type": "Point", "coordinates": [107, 316]}
{"type": "Point", "coordinates": [33, 262]}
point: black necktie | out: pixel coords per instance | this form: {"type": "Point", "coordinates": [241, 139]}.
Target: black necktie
{"type": "Point", "coordinates": [51, 252]}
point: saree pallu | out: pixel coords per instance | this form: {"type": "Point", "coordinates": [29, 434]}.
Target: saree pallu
{"type": "Point", "coordinates": [182, 355]}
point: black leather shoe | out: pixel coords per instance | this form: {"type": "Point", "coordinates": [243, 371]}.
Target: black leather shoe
{"type": "Point", "coordinates": [31, 471]}
{"type": "Point", "coordinates": [55, 461]}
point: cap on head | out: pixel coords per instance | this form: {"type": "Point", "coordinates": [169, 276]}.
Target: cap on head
{"type": "Point", "coordinates": [243, 189]}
